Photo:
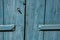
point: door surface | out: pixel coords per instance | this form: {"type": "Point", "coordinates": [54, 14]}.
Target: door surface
{"type": "Point", "coordinates": [12, 12]}
{"type": "Point", "coordinates": [28, 18]}
{"type": "Point", "coordinates": [42, 12]}
{"type": "Point", "coordinates": [34, 16]}
{"type": "Point", "coordinates": [52, 16]}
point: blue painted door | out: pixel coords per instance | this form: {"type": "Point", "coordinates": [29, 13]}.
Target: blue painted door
{"type": "Point", "coordinates": [12, 12]}
{"type": "Point", "coordinates": [42, 12]}
{"type": "Point", "coordinates": [52, 16]}
{"type": "Point", "coordinates": [29, 17]}
{"type": "Point", "coordinates": [34, 16]}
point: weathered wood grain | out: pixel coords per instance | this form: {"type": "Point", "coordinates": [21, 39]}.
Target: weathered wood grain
{"type": "Point", "coordinates": [52, 16]}
{"type": "Point", "coordinates": [35, 16]}
{"type": "Point", "coordinates": [12, 16]}
{"type": "Point", "coordinates": [1, 18]}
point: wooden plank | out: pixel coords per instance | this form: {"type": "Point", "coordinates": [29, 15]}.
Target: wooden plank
{"type": "Point", "coordinates": [52, 12]}
{"type": "Point", "coordinates": [34, 17]}
{"type": "Point", "coordinates": [8, 17]}
{"type": "Point", "coordinates": [55, 27]}
{"type": "Point", "coordinates": [52, 16]}
{"type": "Point", "coordinates": [1, 17]}
{"type": "Point", "coordinates": [12, 16]}
{"type": "Point", "coordinates": [51, 35]}
{"type": "Point", "coordinates": [19, 20]}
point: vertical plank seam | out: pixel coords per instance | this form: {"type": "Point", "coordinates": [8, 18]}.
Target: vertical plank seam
{"type": "Point", "coordinates": [25, 20]}
{"type": "Point", "coordinates": [44, 12]}
{"type": "Point", "coordinates": [44, 16]}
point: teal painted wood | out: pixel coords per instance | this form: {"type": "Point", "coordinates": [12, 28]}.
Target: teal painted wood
{"type": "Point", "coordinates": [35, 16]}
{"type": "Point", "coordinates": [52, 35]}
{"type": "Point", "coordinates": [51, 27]}
{"type": "Point", "coordinates": [12, 16]}
{"type": "Point", "coordinates": [52, 12]}
{"type": "Point", "coordinates": [6, 27]}
{"type": "Point", "coordinates": [1, 18]}
{"type": "Point", "coordinates": [52, 17]}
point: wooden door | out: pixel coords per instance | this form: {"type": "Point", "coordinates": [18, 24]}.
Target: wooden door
{"type": "Point", "coordinates": [12, 12]}
{"type": "Point", "coordinates": [42, 12]}
{"type": "Point", "coordinates": [28, 18]}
